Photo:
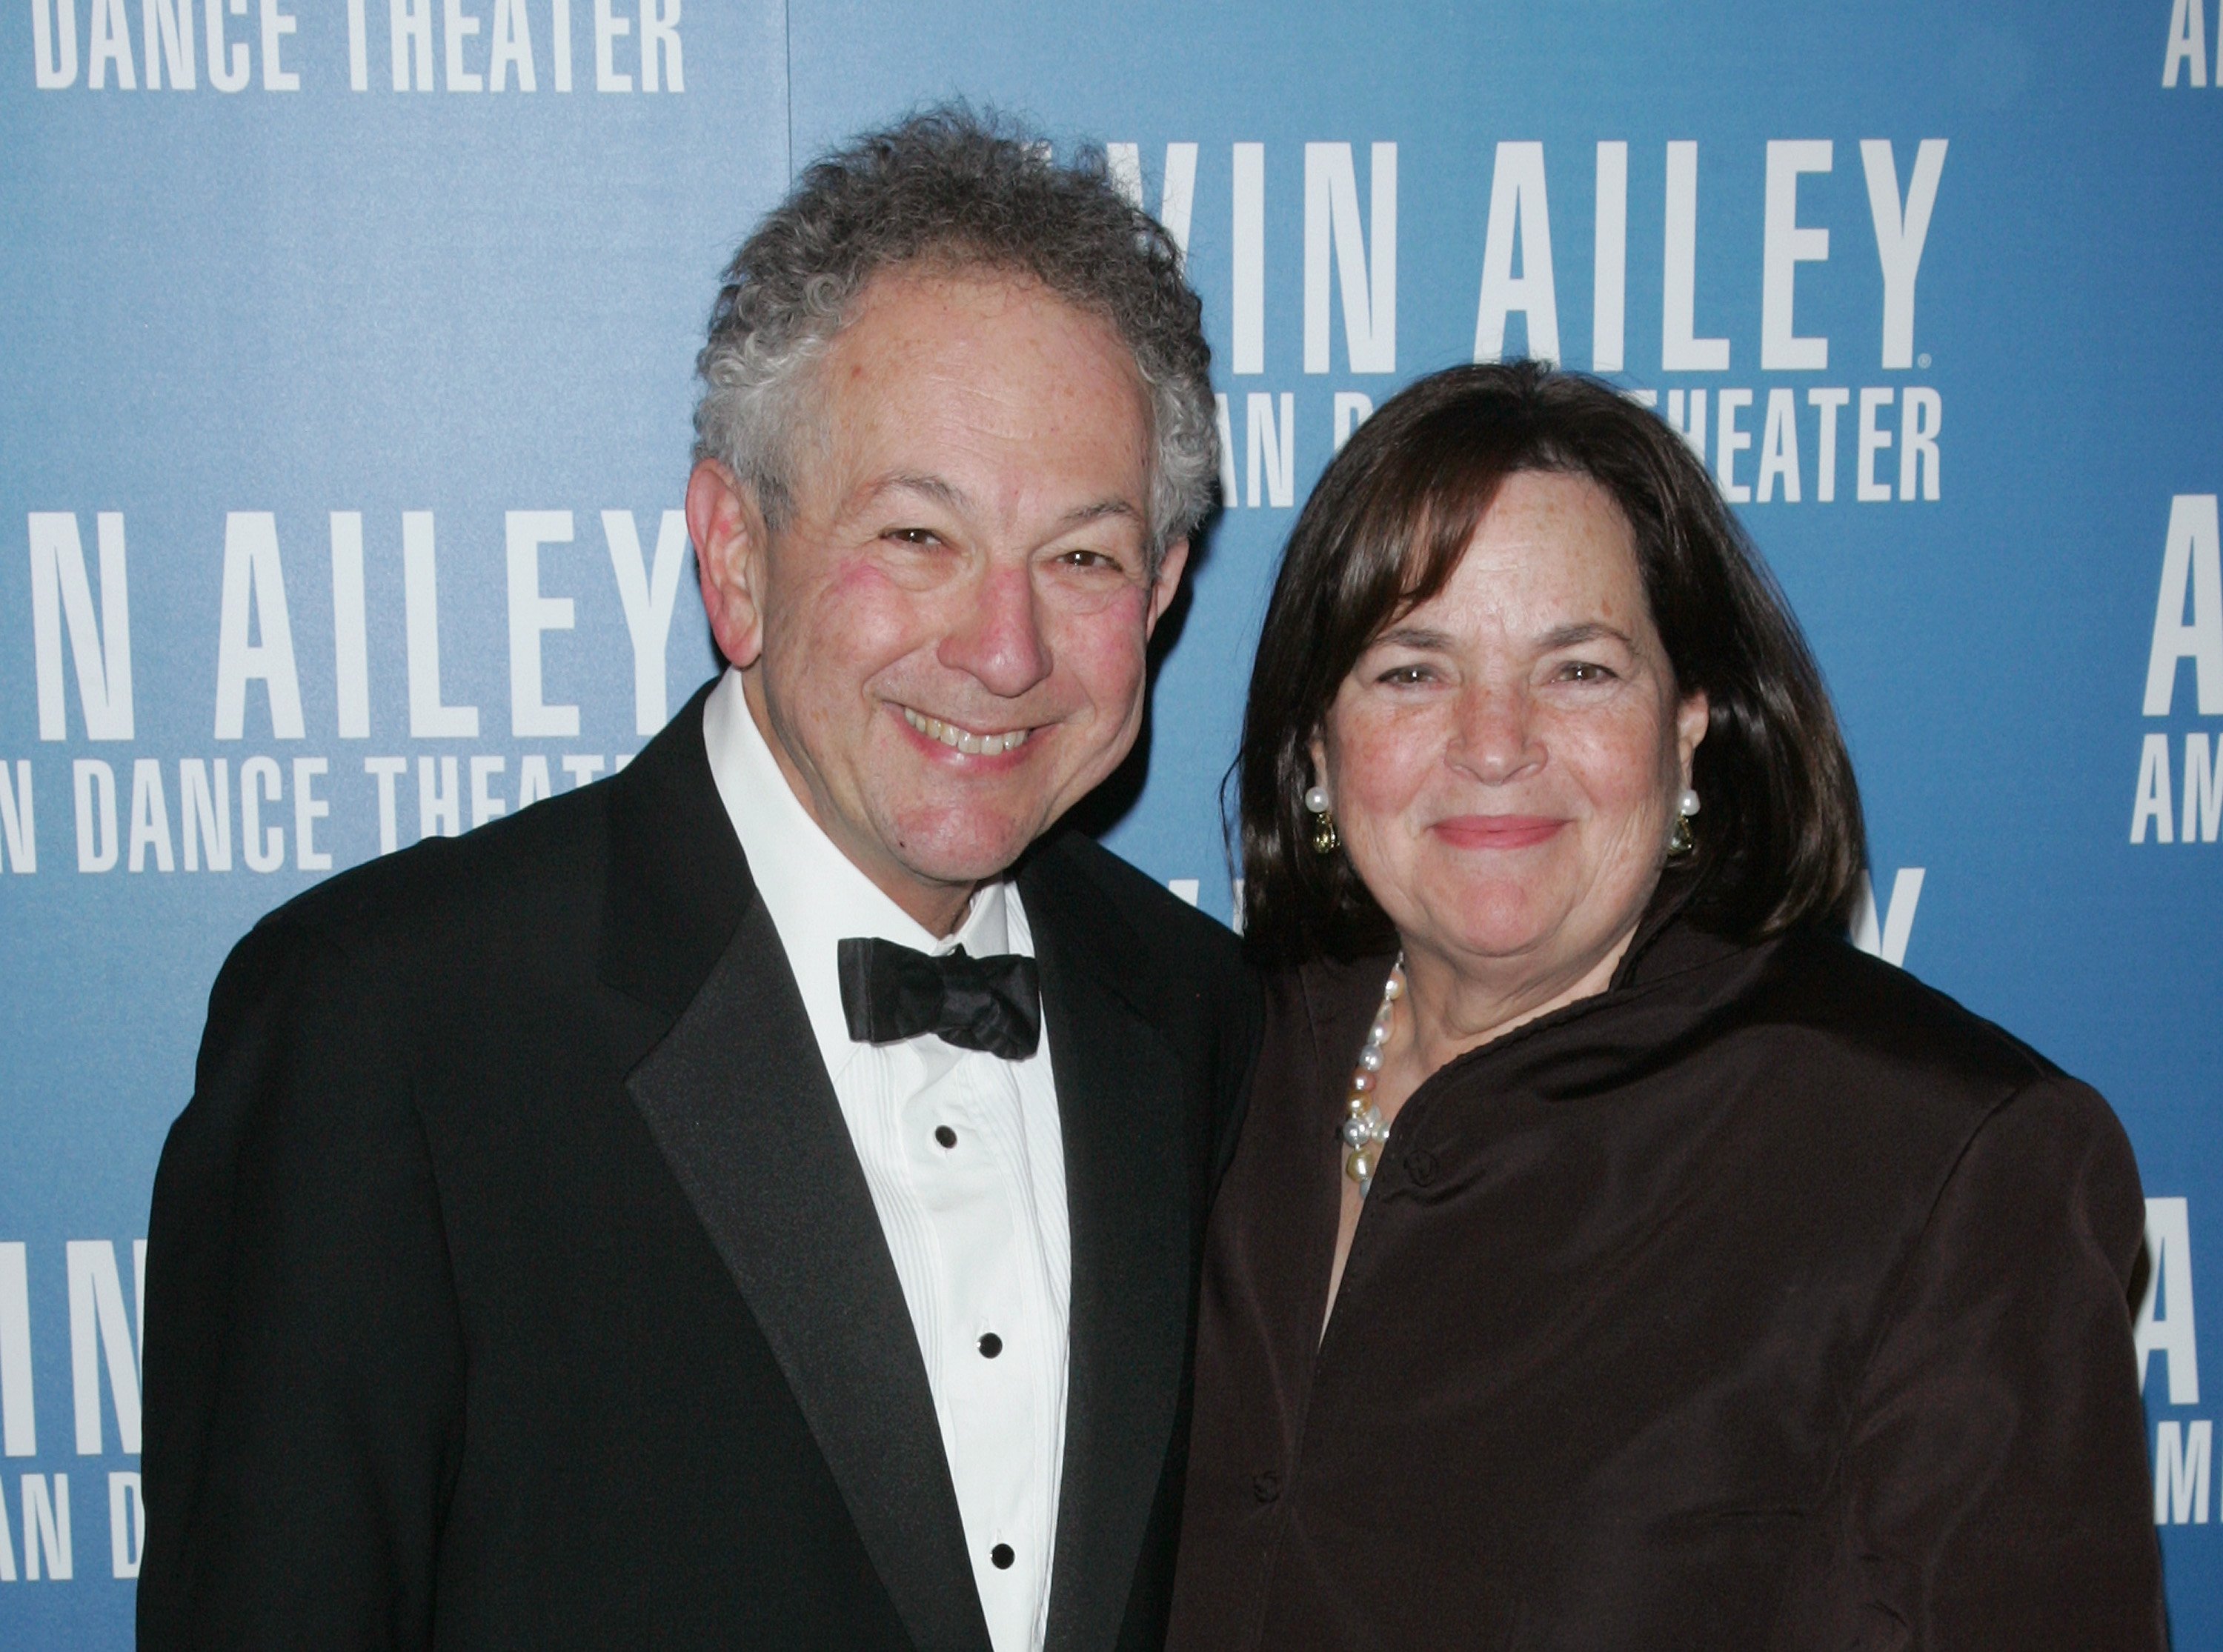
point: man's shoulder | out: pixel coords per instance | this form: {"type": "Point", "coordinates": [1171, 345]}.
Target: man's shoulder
{"type": "Point", "coordinates": [1184, 973]}
{"type": "Point", "coordinates": [1159, 919]}
{"type": "Point", "coordinates": [541, 865]}
{"type": "Point", "coordinates": [517, 873]}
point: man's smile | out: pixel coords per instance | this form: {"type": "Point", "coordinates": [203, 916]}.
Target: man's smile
{"type": "Point", "coordinates": [967, 740]}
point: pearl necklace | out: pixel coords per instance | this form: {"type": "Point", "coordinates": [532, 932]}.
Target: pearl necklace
{"type": "Point", "coordinates": [1364, 1130]}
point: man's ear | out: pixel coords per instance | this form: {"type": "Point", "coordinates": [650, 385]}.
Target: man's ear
{"type": "Point", "coordinates": [727, 527]}
{"type": "Point", "coordinates": [1169, 582]}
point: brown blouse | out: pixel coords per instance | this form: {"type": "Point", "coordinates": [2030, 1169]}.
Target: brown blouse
{"type": "Point", "coordinates": [1768, 1299]}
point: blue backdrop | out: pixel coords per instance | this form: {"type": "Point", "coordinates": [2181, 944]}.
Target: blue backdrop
{"type": "Point", "coordinates": [344, 403]}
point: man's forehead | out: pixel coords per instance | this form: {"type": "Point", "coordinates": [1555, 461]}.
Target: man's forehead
{"type": "Point", "coordinates": [981, 392]}
{"type": "Point", "coordinates": [977, 317]}
{"type": "Point", "coordinates": [948, 278]}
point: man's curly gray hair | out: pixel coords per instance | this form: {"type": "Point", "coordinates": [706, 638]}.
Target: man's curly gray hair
{"type": "Point", "coordinates": [948, 188]}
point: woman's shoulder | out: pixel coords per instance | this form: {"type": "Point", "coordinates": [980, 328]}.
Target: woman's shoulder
{"type": "Point", "coordinates": [1914, 1093]}
{"type": "Point", "coordinates": [1822, 992]}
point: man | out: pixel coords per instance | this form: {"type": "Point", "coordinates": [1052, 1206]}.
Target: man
{"type": "Point", "coordinates": [672, 1217]}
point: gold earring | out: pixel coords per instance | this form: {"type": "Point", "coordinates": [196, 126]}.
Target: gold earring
{"type": "Point", "coordinates": [1682, 843]}
{"type": "Point", "coordinates": [1325, 839]}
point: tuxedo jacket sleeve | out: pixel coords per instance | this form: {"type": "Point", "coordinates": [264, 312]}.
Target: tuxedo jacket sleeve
{"type": "Point", "coordinates": [512, 1281]}
{"type": "Point", "coordinates": [305, 1358]}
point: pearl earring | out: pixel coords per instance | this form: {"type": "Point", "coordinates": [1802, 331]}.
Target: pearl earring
{"type": "Point", "coordinates": [1681, 842]}
{"type": "Point", "coordinates": [1325, 839]}
{"type": "Point", "coordinates": [1687, 805]}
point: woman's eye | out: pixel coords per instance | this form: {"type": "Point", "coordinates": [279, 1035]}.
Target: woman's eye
{"type": "Point", "coordinates": [1585, 671]}
{"type": "Point", "coordinates": [1405, 675]}
{"type": "Point", "coordinates": [913, 535]}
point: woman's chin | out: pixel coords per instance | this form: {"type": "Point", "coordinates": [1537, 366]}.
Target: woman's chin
{"type": "Point", "coordinates": [1485, 938]}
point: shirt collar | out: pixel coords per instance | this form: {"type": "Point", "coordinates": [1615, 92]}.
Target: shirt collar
{"type": "Point", "coordinates": [814, 894]}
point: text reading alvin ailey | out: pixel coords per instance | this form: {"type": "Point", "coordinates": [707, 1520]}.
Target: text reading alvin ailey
{"type": "Point", "coordinates": [1784, 447]}
{"type": "Point", "coordinates": [257, 661]}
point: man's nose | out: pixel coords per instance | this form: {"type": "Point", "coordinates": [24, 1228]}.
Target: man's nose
{"type": "Point", "coordinates": [998, 638]}
{"type": "Point", "coordinates": [1494, 737]}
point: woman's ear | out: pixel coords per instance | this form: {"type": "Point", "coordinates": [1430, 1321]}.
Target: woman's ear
{"type": "Point", "coordinates": [1691, 718]}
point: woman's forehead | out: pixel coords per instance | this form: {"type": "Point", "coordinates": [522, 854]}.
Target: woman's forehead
{"type": "Point", "coordinates": [1553, 549]}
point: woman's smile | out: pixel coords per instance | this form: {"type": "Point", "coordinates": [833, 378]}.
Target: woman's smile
{"type": "Point", "coordinates": [1498, 831]}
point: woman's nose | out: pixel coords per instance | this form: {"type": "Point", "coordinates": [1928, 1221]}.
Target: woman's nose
{"type": "Point", "coordinates": [1493, 735]}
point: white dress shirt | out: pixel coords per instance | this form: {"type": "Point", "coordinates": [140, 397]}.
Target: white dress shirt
{"type": "Point", "coordinates": [962, 1152]}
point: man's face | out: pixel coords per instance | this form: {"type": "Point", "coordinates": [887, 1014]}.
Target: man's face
{"type": "Point", "coordinates": [945, 641]}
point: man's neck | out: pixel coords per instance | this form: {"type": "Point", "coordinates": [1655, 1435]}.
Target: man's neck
{"type": "Point", "coordinates": [938, 908]}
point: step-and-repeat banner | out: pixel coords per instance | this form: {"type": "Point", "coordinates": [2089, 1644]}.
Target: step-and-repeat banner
{"type": "Point", "coordinates": [344, 421]}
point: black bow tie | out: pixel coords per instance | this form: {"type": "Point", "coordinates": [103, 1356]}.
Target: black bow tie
{"type": "Point", "coordinates": [891, 992]}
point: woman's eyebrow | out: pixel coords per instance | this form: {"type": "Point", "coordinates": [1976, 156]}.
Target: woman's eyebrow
{"type": "Point", "coordinates": [1586, 632]}
{"type": "Point", "coordinates": [1413, 636]}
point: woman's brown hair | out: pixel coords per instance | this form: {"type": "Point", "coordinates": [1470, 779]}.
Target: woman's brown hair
{"type": "Point", "coordinates": [1781, 842]}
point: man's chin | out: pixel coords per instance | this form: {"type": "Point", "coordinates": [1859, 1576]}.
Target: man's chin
{"type": "Point", "coordinates": [975, 854]}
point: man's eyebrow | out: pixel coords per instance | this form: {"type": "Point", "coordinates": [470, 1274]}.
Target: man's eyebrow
{"type": "Point", "coordinates": [940, 489]}
{"type": "Point", "coordinates": [1099, 511]}
{"type": "Point", "coordinates": [952, 498]}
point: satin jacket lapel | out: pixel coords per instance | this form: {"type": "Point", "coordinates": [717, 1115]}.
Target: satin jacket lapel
{"type": "Point", "coordinates": [1126, 1172]}
{"type": "Point", "coordinates": [740, 1105]}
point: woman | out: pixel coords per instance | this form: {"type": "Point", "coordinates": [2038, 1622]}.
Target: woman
{"type": "Point", "coordinates": [1614, 1256]}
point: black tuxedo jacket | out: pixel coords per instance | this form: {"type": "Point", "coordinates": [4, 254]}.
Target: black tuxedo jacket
{"type": "Point", "coordinates": [512, 1280]}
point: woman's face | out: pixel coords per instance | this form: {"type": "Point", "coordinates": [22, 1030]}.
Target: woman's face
{"type": "Point", "coordinates": [1504, 761]}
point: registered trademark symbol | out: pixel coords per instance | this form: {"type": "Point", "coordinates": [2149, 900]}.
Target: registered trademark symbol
{"type": "Point", "coordinates": [1922, 359]}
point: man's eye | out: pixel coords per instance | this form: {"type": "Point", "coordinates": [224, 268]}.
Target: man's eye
{"type": "Point", "coordinates": [913, 535]}
{"type": "Point", "coordinates": [1087, 559]}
